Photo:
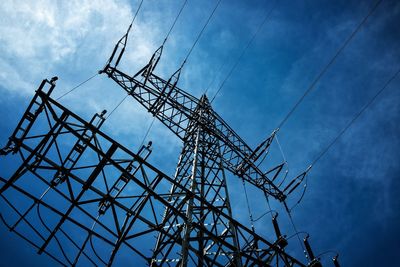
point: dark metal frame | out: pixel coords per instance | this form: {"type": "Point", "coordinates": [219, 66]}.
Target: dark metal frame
{"type": "Point", "coordinates": [177, 108]}
{"type": "Point", "coordinates": [80, 202]}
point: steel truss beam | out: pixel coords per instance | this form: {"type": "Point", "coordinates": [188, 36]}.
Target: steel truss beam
{"type": "Point", "coordinates": [100, 200]}
{"type": "Point", "coordinates": [176, 108]}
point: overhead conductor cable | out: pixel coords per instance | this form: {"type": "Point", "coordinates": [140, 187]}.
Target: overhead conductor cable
{"type": "Point", "coordinates": [330, 63]}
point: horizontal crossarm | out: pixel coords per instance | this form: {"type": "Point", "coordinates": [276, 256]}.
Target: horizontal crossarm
{"type": "Point", "coordinates": [176, 108]}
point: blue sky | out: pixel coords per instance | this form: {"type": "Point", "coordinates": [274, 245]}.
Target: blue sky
{"type": "Point", "coordinates": [351, 204]}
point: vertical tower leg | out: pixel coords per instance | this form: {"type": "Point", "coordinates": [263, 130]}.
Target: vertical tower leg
{"type": "Point", "coordinates": [199, 170]}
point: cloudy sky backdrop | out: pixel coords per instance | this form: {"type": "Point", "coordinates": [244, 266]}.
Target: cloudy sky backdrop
{"type": "Point", "coordinates": [352, 202]}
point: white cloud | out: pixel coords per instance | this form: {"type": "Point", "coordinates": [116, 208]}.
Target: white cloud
{"type": "Point", "coordinates": [11, 78]}
{"type": "Point", "coordinates": [73, 39]}
{"type": "Point", "coordinates": [37, 36]}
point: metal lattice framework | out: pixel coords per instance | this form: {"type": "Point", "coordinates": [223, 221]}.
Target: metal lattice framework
{"type": "Point", "coordinates": [82, 198]}
{"type": "Point", "coordinates": [176, 109]}
{"type": "Point", "coordinates": [101, 200]}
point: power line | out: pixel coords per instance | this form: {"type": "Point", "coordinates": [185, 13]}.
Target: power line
{"type": "Point", "coordinates": [356, 117]}
{"type": "Point", "coordinates": [243, 52]}
{"type": "Point", "coordinates": [248, 206]}
{"type": "Point", "coordinates": [295, 229]}
{"type": "Point", "coordinates": [117, 106]}
{"type": "Point", "coordinates": [323, 71]}
{"type": "Point", "coordinates": [187, 56]}
{"type": "Point", "coordinates": [85, 81]}
{"type": "Point", "coordinates": [148, 131]}
{"type": "Point", "coordinates": [269, 207]}
{"type": "Point", "coordinates": [215, 76]}
{"type": "Point", "coordinates": [173, 24]}
{"type": "Point", "coordinates": [149, 127]}
{"type": "Point", "coordinates": [77, 86]}
{"type": "Point", "coordinates": [326, 149]}
{"type": "Point", "coordinates": [201, 32]}
{"type": "Point", "coordinates": [165, 40]}
{"type": "Point", "coordinates": [137, 12]}
{"type": "Point", "coordinates": [284, 159]}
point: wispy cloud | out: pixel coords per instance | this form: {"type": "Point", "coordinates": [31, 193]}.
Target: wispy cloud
{"type": "Point", "coordinates": [38, 37]}
{"type": "Point", "coordinates": [73, 40]}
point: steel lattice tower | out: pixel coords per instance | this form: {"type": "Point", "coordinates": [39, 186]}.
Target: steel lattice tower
{"type": "Point", "coordinates": [86, 186]}
{"type": "Point", "coordinates": [200, 169]}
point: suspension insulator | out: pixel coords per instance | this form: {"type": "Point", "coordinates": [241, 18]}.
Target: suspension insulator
{"type": "Point", "coordinates": [308, 248]}
{"type": "Point", "coordinates": [336, 261]}
{"type": "Point", "coordinates": [281, 240]}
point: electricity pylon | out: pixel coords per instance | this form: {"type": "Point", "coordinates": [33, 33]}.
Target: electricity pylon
{"type": "Point", "coordinates": [84, 199]}
{"type": "Point", "coordinates": [210, 147]}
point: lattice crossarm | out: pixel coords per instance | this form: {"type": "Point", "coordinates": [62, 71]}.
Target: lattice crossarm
{"type": "Point", "coordinates": [151, 184]}
{"type": "Point", "coordinates": [179, 109]}
{"type": "Point", "coordinates": [28, 118]}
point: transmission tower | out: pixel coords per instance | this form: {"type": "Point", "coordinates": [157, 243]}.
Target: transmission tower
{"type": "Point", "coordinates": [98, 200]}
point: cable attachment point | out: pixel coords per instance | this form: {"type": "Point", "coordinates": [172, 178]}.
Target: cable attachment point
{"type": "Point", "coordinates": [98, 119]}
{"type": "Point", "coordinates": [59, 177]}
{"type": "Point", "coordinates": [336, 261]}
{"type": "Point", "coordinates": [120, 184]}
{"type": "Point", "coordinates": [261, 149]}
{"type": "Point", "coordinates": [296, 181]}
{"type": "Point", "coordinates": [10, 147]}
{"type": "Point", "coordinates": [166, 92]}
{"type": "Point", "coordinates": [149, 68]}
{"type": "Point", "coordinates": [118, 51]}
{"type": "Point", "coordinates": [53, 80]}
{"type": "Point", "coordinates": [281, 239]}
{"type": "Point", "coordinates": [308, 168]}
{"type": "Point", "coordinates": [314, 262]}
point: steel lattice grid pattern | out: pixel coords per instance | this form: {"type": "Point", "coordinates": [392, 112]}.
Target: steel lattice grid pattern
{"type": "Point", "coordinates": [65, 222]}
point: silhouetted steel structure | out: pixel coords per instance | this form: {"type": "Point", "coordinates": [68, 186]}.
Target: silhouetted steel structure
{"type": "Point", "coordinates": [98, 200]}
